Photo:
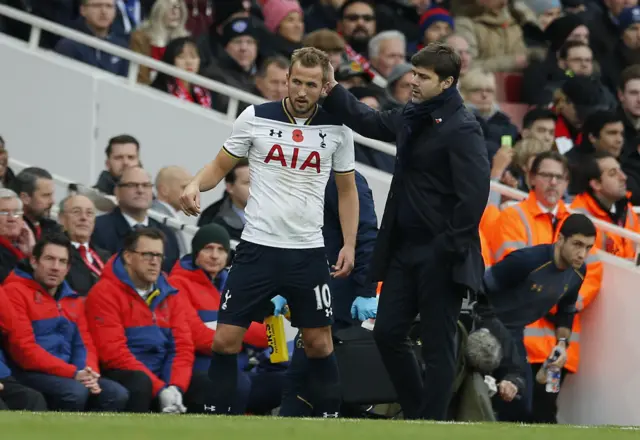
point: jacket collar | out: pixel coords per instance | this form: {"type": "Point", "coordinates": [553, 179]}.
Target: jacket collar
{"type": "Point", "coordinates": [23, 274]}
{"type": "Point", "coordinates": [450, 105]}
{"type": "Point", "coordinates": [185, 267]}
{"type": "Point", "coordinates": [532, 206]}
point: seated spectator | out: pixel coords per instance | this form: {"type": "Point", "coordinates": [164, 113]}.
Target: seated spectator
{"type": "Point", "coordinates": [540, 123]}
{"type": "Point", "coordinates": [97, 18]}
{"type": "Point", "coordinates": [524, 153]}
{"type": "Point", "coordinates": [122, 152]}
{"type": "Point", "coordinates": [578, 98]}
{"type": "Point", "coordinates": [627, 49]}
{"type": "Point", "coordinates": [461, 46]}
{"type": "Point", "coordinates": [236, 66]}
{"type": "Point", "coordinates": [602, 131]}
{"type": "Point", "coordinates": [271, 80]}
{"type": "Point", "coordinates": [7, 178]}
{"type": "Point", "coordinates": [322, 14]}
{"type": "Point", "coordinates": [134, 194]}
{"type": "Point", "coordinates": [77, 215]}
{"type": "Point", "coordinates": [183, 54]}
{"type": "Point", "coordinates": [399, 86]}
{"type": "Point", "coordinates": [495, 39]}
{"type": "Point", "coordinates": [16, 239]}
{"type": "Point", "coordinates": [128, 18]}
{"type": "Point", "coordinates": [478, 88]}
{"type": "Point", "coordinates": [14, 395]}
{"type": "Point", "coordinates": [141, 332]}
{"type": "Point", "coordinates": [351, 74]}
{"type": "Point", "coordinates": [629, 110]}
{"type": "Point", "coordinates": [50, 341]}
{"type": "Point", "coordinates": [229, 212]}
{"type": "Point", "coordinates": [170, 182]}
{"type": "Point", "coordinates": [603, 195]}
{"type": "Point", "coordinates": [387, 50]}
{"type": "Point", "coordinates": [35, 188]}
{"type": "Point", "coordinates": [605, 23]}
{"type": "Point", "coordinates": [436, 24]}
{"type": "Point", "coordinates": [166, 22]}
{"type": "Point", "coordinates": [357, 25]}
{"type": "Point", "coordinates": [327, 41]}
{"type": "Point", "coordinates": [284, 19]}
{"type": "Point", "coordinates": [199, 16]}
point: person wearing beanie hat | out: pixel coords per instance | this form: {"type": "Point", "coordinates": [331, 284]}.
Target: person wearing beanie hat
{"type": "Point", "coordinates": [240, 43]}
{"type": "Point", "coordinates": [225, 10]}
{"type": "Point", "coordinates": [399, 85]}
{"type": "Point", "coordinates": [284, 17]}
{"type": "Point", "coordinates": [546, 11]}
{"type": "Point", "coordinates": [435, 25]}
{"type": "Point", "coordinates": [199, 278]}
{"type": "Point", "coordinates": [568, 28]}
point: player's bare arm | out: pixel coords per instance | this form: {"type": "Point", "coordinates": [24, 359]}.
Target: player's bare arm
{"type": "Point", "coordinates": [206, 179]}
{"type": "Point", "coordinates": [349, 211]}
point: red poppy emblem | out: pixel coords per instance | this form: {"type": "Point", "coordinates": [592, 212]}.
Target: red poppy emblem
{"type": "Point", "coordinates": [297, 136]}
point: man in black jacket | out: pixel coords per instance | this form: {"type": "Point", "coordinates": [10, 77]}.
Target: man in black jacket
{"type": "Point", "coordinates": [428, 248]}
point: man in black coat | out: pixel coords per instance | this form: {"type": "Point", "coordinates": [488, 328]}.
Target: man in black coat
{"type": "Point", "coordinates": [428, 249]}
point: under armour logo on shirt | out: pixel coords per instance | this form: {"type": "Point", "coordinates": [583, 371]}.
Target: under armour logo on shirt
{"type": "Point", "coordinates": [274, 133]}
{"type": "Point", "coordinates": [330, 415]}
{"type": "Point", "coordinates": [328, 312]}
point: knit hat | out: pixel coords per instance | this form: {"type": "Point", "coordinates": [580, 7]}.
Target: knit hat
{"type": "Point", "coordinates": [275, 11]}
{"type": "Point", "coordinates": [398, 72]}
{"type": "Point", "coordinates": [211, 233]}
{"type": "Point", "coordinates": [585, 94]}
{"type": "Point", "coordinates": [541, 6]}
{"type": "Point", "coordinates": [560, 29]}
{"type": "Point", "coordinates": [629, 16]}
{"type": "Point", "coordinates": [434, 15]}
{"type": "Point", "coordinates": [226, 8]}
{"type": "Point", "coordinates": [237, 28]}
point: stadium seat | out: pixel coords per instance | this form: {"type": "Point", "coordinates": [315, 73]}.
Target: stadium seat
{"type": "Point", "coordinates": [508, 86]}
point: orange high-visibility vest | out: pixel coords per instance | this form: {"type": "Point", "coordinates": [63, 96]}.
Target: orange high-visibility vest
{"type": "Point", "coordinates": [608, 242]}
{"type": "Point", "coordinates": [527, 224]}
{"type": "Point", "coordinates": [487, 222]}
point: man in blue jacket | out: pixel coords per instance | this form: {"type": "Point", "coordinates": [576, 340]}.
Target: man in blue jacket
{"type": "Point", "coordinates": [354, 298]}
{"type": "Point", "coordinates": [97, 17]}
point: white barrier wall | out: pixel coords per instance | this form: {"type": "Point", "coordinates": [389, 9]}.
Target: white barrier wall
{"type": "Point", "coordinates": [59, 114]}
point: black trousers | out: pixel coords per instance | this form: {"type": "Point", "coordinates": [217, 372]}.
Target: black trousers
{"type": "Point", "coordinates": [545, 405]}
{"type": "Point", "coordinates": [141, 398]}
{"type": "Point", "coordinates": [419, 281]}
{"type": "Point", "coordinates": [15, 396]}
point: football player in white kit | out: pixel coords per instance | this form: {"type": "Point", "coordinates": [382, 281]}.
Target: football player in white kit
{"type": "Point", "coordinates": [292, 145]}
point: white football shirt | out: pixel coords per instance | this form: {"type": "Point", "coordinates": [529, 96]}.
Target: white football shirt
{"type": "Point", "coordinates": [289, 166]}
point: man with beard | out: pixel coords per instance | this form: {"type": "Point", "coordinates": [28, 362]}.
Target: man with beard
{"type": "Point", "coordinates": [292, 146]}
{"type": "Point", "coordinates": [35, 188]}
{"type": "Point", "coordinates": [357, 25]}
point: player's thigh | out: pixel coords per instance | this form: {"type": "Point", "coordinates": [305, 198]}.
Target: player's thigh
{"type": "Point", "coordinates": [305, 284]}
{"type": "Point", "coordinates": [250, 286]}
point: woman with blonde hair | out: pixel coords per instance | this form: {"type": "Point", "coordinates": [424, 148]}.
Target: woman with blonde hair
{"type": "Point", "coordinates": [166, 22]}
{"type": "Point", "coordinates": [524, 152]}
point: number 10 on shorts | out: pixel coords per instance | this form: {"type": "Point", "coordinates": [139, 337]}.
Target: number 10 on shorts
{"type": "Point", "coordinates": [323, 297]}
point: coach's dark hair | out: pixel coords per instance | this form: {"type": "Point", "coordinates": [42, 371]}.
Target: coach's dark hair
{"type": "Point", "coordinates": [27, 179]}
{"type": "Point", "coordinates": [590, 170]}
{"type": "Point", "coordinates": [441, 58]}
{"type": "Point", "coordinates": [551, 155]}
{"type": "Point", "coordinates": [121, 139]}
{"type": "Point", "coordinates": [231, 177]}
{"type": "Point", "coordinates": [596, 121]}
{"type": "Point", "coordinates": [131, 239]}
{"type": "Point", "coordinates": [537, 114]}
{"type": "Point", "coordinates": [54, 238]}
{"type": "Point", "coordinates": [577, 224]}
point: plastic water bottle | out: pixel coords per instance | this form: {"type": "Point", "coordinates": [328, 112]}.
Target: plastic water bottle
{"type": "Point", "coordinates": [553, 380]}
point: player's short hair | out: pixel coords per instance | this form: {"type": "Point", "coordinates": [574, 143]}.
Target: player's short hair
{"type": "Point", "coordinates": [441, 58]}
{"type": "Point", "coordinates": [311, 57]}
{"type": "Point", "coordinates": [577, 224]}
{"type": "Point", "coordinates": [231, 176]}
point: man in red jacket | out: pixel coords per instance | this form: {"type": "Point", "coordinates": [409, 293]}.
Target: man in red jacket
{"type": "Point", "coordinates": [49, 340]}
{"type": "Point", "coordinates": [141, 332]}
{"type": "Point", "coordinates": [198, 277]}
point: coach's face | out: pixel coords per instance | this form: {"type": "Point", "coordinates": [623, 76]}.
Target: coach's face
{"type": "Point", "coordinates": [305, 85]}
{"type": "Point", "coordinates": [426, 84]}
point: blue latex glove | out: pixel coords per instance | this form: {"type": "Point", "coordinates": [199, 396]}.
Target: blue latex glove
{"type": "Point", "coordinates": [364, 308]}
{"type": "Point", "coordinates": [279, 304]}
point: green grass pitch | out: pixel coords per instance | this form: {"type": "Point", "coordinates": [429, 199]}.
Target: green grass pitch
{"type": "Point", "coordinates": [64, 426]}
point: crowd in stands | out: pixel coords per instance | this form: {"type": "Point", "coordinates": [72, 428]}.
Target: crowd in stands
{"type": "Point", "coordinates": [554, 84]}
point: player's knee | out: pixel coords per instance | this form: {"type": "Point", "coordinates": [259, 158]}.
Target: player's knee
{"type": "Point", "coordinates": [228, 339]}
{"type": "Point", "coordinates": [317, 342]}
